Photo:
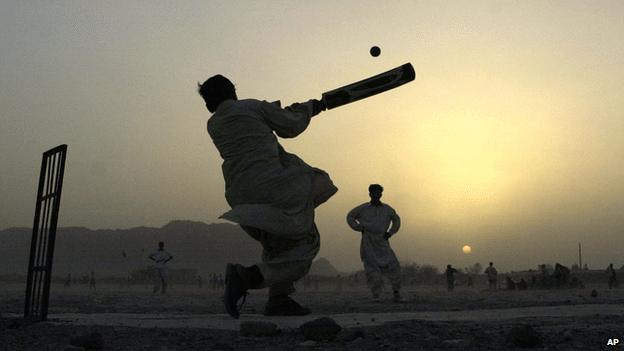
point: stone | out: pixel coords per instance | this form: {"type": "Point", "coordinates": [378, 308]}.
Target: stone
{"type": "Point", "coordinates": [257, 328]}
{"type": "Point", "coordinates": [321, 329]}
{"type": "Point", "coordinates": [357, 340]}
{"type": "Point", "coordinates": [524, 336]}
{"type": "Point", "coordinates": [352, 335]}
{"type": "Point", "coordinates": [92, 341]}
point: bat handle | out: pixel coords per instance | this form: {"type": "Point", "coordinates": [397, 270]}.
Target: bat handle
{"type": "Point", "coordinates": [324, 102]}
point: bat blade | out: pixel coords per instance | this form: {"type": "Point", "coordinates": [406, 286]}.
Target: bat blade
{"type": "Point", "coordinates": [369, 86]}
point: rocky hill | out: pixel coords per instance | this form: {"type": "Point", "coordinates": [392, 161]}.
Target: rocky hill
{"type": "Point", "coordinates": [117, 252]}
{"type": "Point", "coordinates": [79, 250]}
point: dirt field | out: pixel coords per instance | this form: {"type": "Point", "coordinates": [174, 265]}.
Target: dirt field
{"type": "Point", "coordinates": [586, 331]}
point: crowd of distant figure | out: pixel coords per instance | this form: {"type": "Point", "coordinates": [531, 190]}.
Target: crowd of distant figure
{"type": "Point", "coordinates": [558, 276]}
{"type": "Point", "coordinates": [544, 277]}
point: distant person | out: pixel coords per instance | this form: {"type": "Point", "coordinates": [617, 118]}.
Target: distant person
{"type": "Point", "coordinates": [160, 257]}
{"type": "Point", "coordinates": [373, 220]}
{"type": "Point", "coordinates": [273, 193]}
{"type": "Point", "coordinates": [92, 281]}
{"type": "Point", "coordinates": [522, 284]}
{"type": "Point", "coordinates": [544, 277]}
{"type": "Point", "coordinates": [511, 285]}
{"type": "Point", "coordinates": [221, 282]}
{"type": "Point", "coordinates": [612, 277]}
{"type": "Point", "coordinates": [450, 277]}
{"type": "Point", "coordinates": [561, 275]}
{"type": "Point", "coordinates": [492, 276]}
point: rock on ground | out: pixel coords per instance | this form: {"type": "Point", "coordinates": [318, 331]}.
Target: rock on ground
{"type": "Point", "coordinates": [321, 329]}
{"type": "Point", "coordinates": [524, 336]}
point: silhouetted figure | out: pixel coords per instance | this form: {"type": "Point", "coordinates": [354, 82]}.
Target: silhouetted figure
{"type": "Point", "coordinates": [469, 281]}
{"type": "Point", "coordinates": [612, 277]}
{"type": "Point", "coordinates": [543, 278]}
{"type": "Point", "coordinates": [522, 284]}
{"type": "Point", "coordinates": [450, 277]}
{"type": "Point", "coordinates": [561, 275]}
{"type": "Point", "coordinates": [373, 220]}
{"type": "Point", "coordinates": [160, 257]}
{"type": "Point", "coordinates": [272, 193]}
{"type": "Point", "coordinates": [220, 282]}
{"type": "Point", "coordinates": [492, 276]}
{"type": "Point", "coordinates": [511, 285]}
{"type": "Point", "coordinates": [92, 281]}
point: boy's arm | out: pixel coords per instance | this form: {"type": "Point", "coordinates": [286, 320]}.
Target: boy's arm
{"type": "Point", "coordinates": [293, 120]}
{"type": "Point", "coordinates": [396, 223]}
{"type": "Point", "coordinates": [352, 219]}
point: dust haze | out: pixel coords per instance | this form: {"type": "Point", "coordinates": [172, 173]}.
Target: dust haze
{"type": "Point", "coordinates": [508, 141]}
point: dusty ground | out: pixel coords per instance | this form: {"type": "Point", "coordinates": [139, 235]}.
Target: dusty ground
{"type": "Point", "coordinates": [586, 332]}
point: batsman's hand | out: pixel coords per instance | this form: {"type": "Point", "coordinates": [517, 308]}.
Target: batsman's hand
{"type": "Point", "coordinates": [318, 106]}
{"type": "Point", "coordinates": [387, 235]}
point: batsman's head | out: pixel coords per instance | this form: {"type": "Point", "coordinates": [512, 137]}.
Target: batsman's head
{"type": "Point", "coordinates": [375, 191]}
{"type": "Point", "coordinates": [216, 90]}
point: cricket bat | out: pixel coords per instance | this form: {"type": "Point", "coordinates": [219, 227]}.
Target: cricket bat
{"type": "Point", "coordinates": [369, 86]}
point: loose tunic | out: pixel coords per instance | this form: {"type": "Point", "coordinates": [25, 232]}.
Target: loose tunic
{"type": "Point", "coordinates": [160, 258]}
{"type": "Point", "coordinates": [267, 187]}
{"type": "Point", "coordinates": [492, 273]}
{"type": "Point", "coordinates": [373, 221]}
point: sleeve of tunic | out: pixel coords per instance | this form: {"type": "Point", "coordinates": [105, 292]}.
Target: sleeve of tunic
{"type": "Point", "coordinates": [287, 122]}
{"type": "Point", "coordinates": [352, 219]}
{"type": "Point", "coordinates": [396, 222]}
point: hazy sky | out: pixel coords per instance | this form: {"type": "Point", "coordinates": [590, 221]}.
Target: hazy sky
{"type": "Point", "coordinates": [509, 140]}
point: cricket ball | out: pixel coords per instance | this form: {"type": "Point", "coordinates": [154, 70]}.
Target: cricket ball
{"type": "Point", "coordinates": [375, 51]}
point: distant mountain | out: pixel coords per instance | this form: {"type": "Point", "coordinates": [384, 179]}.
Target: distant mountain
{"type": "Point", "coordinates": [79, 250]}
{"type": "Point", "coordinates": [323, 267]}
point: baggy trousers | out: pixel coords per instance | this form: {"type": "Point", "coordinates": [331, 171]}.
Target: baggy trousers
{"type": "Point", "coordinates": [160, 279]}
{"type": "Point", "coordinates": [284, 261]}
{"type": "Point", "coordinates": [374, 277]}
